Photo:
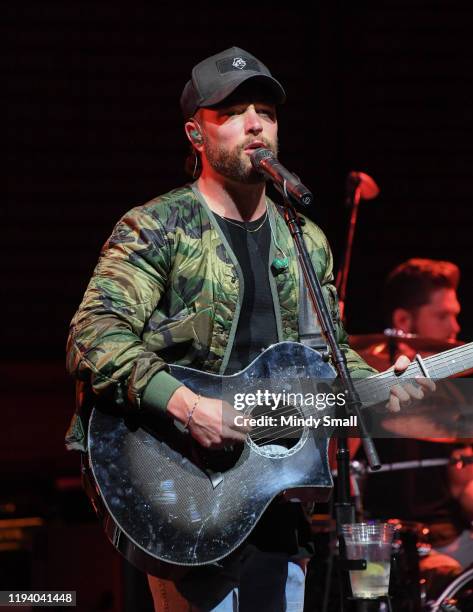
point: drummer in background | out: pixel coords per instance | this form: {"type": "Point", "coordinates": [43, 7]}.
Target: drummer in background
{"type": "Point", "coordinates": [421, 298]}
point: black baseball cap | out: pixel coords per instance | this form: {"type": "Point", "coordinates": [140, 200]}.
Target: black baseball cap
{"type": "Point", "coordinates": [216, 77]}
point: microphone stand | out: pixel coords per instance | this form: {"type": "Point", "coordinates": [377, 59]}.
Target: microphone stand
{"type": "Point", "coordinates": [353, 201]}
{"type": "Point", "coordinates": [359, 186]}
{"type": "Point", "coordinates": [344, 507]}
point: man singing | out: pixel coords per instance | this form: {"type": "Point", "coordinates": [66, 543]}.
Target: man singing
{"type": "Point", "coordinates": [194, 277]}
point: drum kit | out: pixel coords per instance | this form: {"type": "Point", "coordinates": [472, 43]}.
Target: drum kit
{"type": "Point", "coordinates": [409, 590]}
{"type": "Point", "coordinates": [408, 587]}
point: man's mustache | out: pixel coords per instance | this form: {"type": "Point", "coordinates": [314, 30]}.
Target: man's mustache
{"type": "Point", "coordinates": [272, 146]}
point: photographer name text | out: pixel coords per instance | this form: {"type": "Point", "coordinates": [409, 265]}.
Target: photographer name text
{"type": "Point", "coordinates": [296, 421]}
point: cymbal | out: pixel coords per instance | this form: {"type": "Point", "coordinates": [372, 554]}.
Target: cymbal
{"type": "Point", "coordinates": [403, 426]}
{"type": "Point", "coordinates": [371, 342]}
{"type": "Point", "coordinates": [444, 416]}
{"type": "Point", "coordinates": [381, 350]}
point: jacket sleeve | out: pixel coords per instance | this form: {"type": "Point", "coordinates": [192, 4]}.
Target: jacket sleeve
{"type": "Point", "coordinates": [105, 348]}
{"type": "Point", "coordinates": [356, 365]}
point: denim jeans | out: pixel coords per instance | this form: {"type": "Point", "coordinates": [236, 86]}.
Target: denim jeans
{"type": "Point", "coordinates": [167, 597]}
{"type": "Point", "coordinates": [293, 593]}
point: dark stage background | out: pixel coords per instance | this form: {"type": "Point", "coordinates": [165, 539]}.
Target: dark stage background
{"type": "Point", "coordinates": [94, 128]}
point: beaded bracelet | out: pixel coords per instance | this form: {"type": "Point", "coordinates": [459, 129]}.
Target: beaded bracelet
{"type": "Point", "coordinates": [191, 412]}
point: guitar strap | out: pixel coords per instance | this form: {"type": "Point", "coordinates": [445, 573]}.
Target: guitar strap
{"type": "Point", "coordinates": [310, 332]}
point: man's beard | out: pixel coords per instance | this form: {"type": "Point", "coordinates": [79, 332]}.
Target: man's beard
{"type": "Point", "coordinates": [236, 165]}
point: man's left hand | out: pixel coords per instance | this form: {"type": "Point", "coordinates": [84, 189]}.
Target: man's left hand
{"type": "Point", "coordinates": [403, 394]}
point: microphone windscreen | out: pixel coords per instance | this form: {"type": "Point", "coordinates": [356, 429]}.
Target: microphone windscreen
{"type": "Point", "coordinates": [259, 155]}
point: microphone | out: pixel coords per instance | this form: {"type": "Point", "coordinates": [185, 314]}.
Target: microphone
{"type": "Point", "coordinates": [352, 191]}
{"type": "Point", "coordinates": [265, 162]}
{"type": "Point", "coordinates": [359, 186]}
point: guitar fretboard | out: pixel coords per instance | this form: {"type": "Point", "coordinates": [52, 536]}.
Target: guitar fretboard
{"type": "Point", "coordinates": [376, 389]}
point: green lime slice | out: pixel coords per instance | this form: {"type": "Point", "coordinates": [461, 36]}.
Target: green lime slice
{"type": "Point", "coordinates": [375, 569]}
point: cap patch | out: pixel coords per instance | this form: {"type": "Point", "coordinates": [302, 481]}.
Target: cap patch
{"type": "Point", "coordinates": [230, 64]}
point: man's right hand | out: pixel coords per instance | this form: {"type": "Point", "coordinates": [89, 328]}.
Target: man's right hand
{"type": "Point", "coordinates": [213, 421]}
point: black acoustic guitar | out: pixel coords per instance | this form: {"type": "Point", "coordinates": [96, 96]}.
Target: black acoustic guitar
{"type": "Point", "coordinates": [163, 498]}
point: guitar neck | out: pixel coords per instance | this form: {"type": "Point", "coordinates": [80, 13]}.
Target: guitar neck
{"type": "Point", "coordinates": [376, 389]}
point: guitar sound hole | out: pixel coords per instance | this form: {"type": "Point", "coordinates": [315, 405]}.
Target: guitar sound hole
{"type": "Point", "coordinates": [276, 427]}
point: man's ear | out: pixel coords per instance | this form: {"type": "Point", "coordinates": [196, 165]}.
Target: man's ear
{"type": "Point", "coordinates": [403, 319]}
{"type": "Point", "coordinates": [194, 134]}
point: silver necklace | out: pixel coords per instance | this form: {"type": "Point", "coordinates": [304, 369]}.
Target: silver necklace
{"type": "Point", "coordinates": [249, 231]}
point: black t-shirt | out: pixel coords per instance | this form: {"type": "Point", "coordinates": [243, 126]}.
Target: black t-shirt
{"type": "Point", "coordinates": [257, 323]}
{"type": "Point", "coordinates": [283, 527]}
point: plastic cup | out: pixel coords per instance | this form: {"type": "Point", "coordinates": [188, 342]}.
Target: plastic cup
{"type": "Point", "coordinates": [373, 543]}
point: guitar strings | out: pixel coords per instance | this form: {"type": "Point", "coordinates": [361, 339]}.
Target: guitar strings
{"type": "Point", "coordinates": [364, 385]}
{"type": "Point", "coordinates": [284, 433]}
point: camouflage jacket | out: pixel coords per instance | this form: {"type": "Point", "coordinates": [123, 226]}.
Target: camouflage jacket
{"type": "Point", "coordinates": [167, 289]}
